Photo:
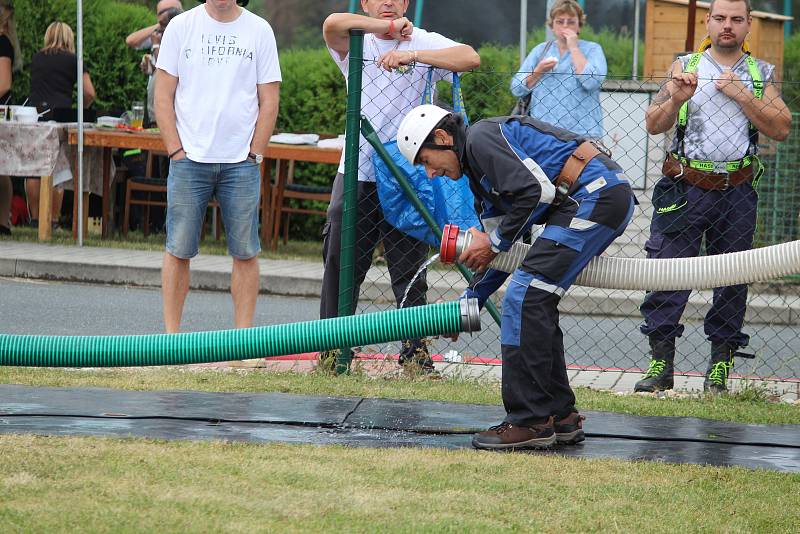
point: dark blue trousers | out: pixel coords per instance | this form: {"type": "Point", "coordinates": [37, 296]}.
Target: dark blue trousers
{"type": "Point", "coordinates": [535, 384]}
{"type": "Point", "coordinates": [727, 221]}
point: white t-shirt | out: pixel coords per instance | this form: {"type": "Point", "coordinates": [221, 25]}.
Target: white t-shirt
{"type": "Point", "coordinates": [386, 97]}
{"type": "Point", "coordinates": [218, 65]}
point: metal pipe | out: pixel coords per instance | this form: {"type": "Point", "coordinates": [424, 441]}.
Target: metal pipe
{"type": "Point", "coordinates": [690, 26]}
{"type": "Point", "coordinates": [418, 13]}
{"type": "Point", "coordinates": [523, 30]}
{"type": "Point", "coordinates": [636, 15]}
{"type": "Point", "coordinates": [79, 192]}
{"type": "Point", "coordinates": [353, 6]}
{"type": "Point", "coordinates": [787, 26]}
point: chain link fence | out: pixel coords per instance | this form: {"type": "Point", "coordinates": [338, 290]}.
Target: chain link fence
{"type": "Point", "coordinates": [601, 327]}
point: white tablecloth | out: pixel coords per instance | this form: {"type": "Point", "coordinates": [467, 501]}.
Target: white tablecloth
{"type": "Point", "coordinates": [41, 149]}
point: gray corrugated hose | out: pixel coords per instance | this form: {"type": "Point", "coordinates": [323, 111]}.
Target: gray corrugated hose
{"type": "Point", "coordinates": [704, 272]}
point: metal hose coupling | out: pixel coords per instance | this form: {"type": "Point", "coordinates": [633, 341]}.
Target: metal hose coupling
{"type": "Point", "coordinates": [456, 241]}
{"type": "Point", "coordinates": [453, 243]}
{"type": "Point", "coordinates": [470, 315]}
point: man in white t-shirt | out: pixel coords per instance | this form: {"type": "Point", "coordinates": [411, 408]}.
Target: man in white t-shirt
{"type": "Point", "coordinates": [388, 93]}
{"type": "Point", "coordinates": [217, 89]}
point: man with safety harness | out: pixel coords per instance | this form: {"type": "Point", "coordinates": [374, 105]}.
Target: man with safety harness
{"type": "Point", "coordinates": [722, 98]}
{"type": "Point", "coordinates": [527, 172]}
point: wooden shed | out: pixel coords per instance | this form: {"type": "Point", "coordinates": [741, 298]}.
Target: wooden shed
{"type": "Point", "coordinates": [665, 34]}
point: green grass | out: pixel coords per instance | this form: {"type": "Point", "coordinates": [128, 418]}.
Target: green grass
{"type": "Point", "coordinates": [138, 485]}
{"type": "Point", "coordinates": [747, 407]}
{"type": "Point", "coordinates": [56, 484]}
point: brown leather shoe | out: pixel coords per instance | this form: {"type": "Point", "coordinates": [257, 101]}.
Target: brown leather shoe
{"type": "Point", "coordinates": [569, 430]}
{"type": "Point", "coordinates": [508, 436]}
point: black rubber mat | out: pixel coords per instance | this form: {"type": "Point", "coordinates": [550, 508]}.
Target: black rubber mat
{"type": "Point", "coordinates": [98, 402]}
{"type": "Point", "coordinates": [430, 416]}
{"type": "Point", "coordinates": [275, 417]}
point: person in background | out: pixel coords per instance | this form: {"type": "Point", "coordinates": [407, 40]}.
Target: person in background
{"type": "Point", "coordinates": [721, 99]}
{"type": "Point", "coordinates": [141, 39]}
{"type": "Point", "coordinates": [10, 55]}
{"type": "Point", "coordinates": [163, 20]}
{"type": "Point", "coordinates": [53, 77]}
{"type": "Point", "coordinates": [563, 77]}
{"type": "Point", "coordinates": [10, 61]}
{"type": "Point", "coordinates": [149, 37]}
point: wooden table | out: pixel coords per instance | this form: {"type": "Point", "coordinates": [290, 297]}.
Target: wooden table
{"type": "Point", "coordinates": [109, 139]}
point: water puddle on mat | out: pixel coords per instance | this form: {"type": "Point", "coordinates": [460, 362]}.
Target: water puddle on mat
{"type": "Point", "coordinates": [419, 271]}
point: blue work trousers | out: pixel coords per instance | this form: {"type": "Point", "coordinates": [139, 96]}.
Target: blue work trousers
{"type": "Point", "coordinates": [535, 384]}
{"type": "Point", "coordinates": [727, 220]}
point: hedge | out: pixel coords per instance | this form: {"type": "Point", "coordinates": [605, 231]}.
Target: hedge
{"type": "Point", "coordinates": [114, 67]}
{"type": "Point", "coordinates": [791, 72]}
{"type": "Point", "coordinates": [313, 99]}
{"type": "Point", "coordinates": [313, 96]}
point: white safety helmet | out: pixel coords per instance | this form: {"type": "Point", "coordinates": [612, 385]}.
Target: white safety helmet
{"type": "Point", "coordinates": [416, 127]}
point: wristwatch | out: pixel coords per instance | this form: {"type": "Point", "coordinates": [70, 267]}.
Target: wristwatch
{"type": "Point", "coordinates": [258, 158]}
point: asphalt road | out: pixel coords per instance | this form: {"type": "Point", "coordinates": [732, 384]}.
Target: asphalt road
{"type": "Point", "coordinates": [57, 308]}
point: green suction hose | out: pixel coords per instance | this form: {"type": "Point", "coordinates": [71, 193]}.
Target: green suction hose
{"type": "Point", "coordinates": [226, 345]}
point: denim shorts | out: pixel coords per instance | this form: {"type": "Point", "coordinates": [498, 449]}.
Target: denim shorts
{"type": "Point", "coordinates": [191, 185]}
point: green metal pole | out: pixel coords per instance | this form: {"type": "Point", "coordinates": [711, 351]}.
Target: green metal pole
{"type": "Point", "coordinates": [350, 204]}
{"type": "Point", "coordinates": [787, 26]}
{"type": "Point", "coordinates": [369, 134]}
{"type": "Point", "coordinates": [773, 224]}
{"type": "Point", "coordinates": [353, 6]}
{"type": "Point", "coordinates": [418, 13]}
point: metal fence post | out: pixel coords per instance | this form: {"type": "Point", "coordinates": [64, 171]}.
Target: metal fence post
{"type": "Point", "coordinates": [418, 13]}
{"type": "Point", "coordinates": [350, 205]}
{"type": "Point", "coordinates": [787, 26]}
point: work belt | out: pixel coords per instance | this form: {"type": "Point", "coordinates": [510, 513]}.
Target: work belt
{"type": "Point", "coordinates": [698, 173]}
{"type": "Point", "coordinates": [567, 180]}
